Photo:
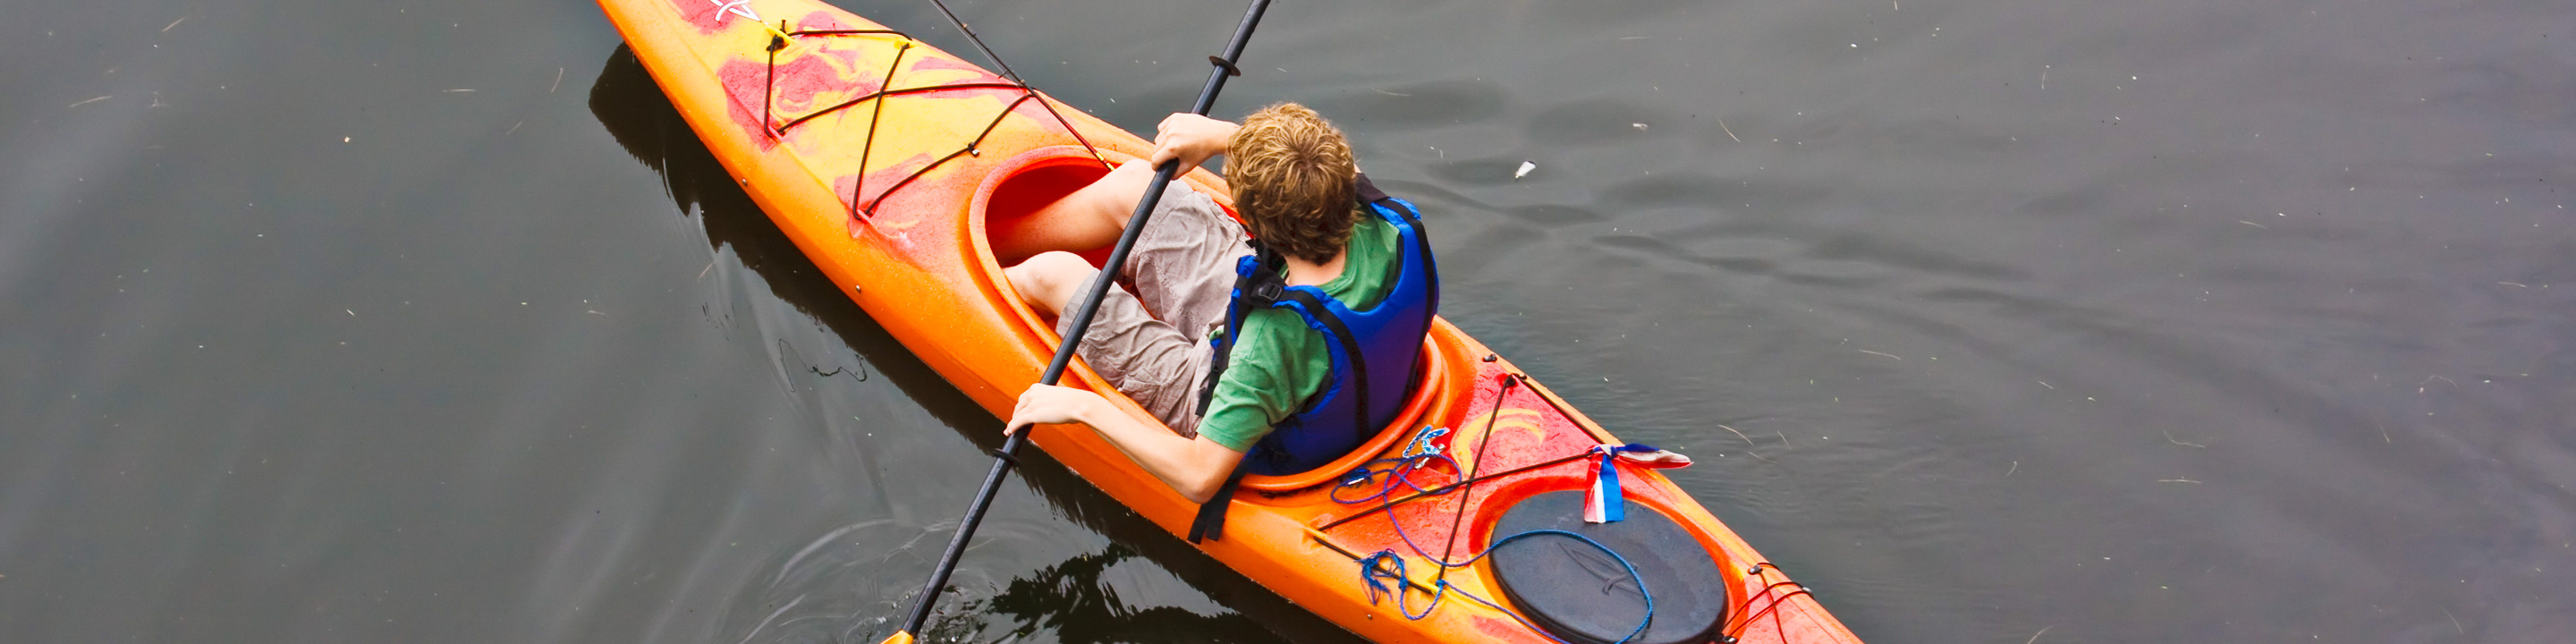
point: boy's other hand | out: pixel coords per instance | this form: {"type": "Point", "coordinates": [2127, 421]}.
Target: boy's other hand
{"type": "Point", "coordinates": [1051, 405]}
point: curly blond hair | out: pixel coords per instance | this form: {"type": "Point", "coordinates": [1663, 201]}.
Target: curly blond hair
{"type": "Point", "coordinates": [1291, 174]}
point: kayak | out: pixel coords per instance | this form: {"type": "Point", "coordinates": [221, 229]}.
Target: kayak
{"type": "Point", "coordinates": [1491, 510]}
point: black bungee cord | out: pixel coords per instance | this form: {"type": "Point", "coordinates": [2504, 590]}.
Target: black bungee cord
{"type": "Point", "coordinates": [779, 41]}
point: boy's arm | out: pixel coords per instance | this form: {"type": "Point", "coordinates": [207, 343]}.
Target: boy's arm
{"type": "Point", "coordinates": [1195, 467]}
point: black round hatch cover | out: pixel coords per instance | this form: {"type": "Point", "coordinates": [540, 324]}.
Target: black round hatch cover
{"type": "Point", "coordinates": [1579, 594]}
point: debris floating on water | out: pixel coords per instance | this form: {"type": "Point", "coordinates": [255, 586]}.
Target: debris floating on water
{"type": "Point", "coordinates": [1641, 127]}
{"type": "Point", "coordinates": [1748, 441]}
{"type": "Point", "coordinates": [1526, 167]}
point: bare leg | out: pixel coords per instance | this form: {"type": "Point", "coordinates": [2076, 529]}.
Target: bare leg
{"type": "Point", "coordinates": [1046, 281]}
{"type": "Point", "coordinates": [1089, 218]}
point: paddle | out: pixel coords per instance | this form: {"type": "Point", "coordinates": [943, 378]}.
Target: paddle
{"type": "Point", "coordinates": [1002, 458]}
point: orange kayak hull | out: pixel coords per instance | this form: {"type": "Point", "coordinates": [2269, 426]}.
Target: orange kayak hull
{"type": "Point", "coordinates": [888, 162]}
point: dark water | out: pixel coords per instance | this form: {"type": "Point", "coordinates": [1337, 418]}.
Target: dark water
{"type": "Point", "coordinates": [2112, 322]}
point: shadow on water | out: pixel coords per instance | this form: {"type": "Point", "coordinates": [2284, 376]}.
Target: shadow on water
{"type": "Point", "coordinates": [1069, 597]}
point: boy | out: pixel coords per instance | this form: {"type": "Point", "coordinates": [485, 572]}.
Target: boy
{"type": "Point", "coordinates": [1338, 284]}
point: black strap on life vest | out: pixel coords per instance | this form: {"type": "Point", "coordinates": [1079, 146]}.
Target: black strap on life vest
{"type": "Point", "coordinates": [1259, 290]}
{"type": "Point", "coordinates": [1210, 522]}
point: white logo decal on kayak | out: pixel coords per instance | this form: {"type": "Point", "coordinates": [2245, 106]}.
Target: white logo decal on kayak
{"type": "Point", "coordinates": [735, 7]}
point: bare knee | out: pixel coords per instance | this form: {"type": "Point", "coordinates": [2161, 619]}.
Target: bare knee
{"type": "Point", "coordinates": [1107, 202]}
{"type": "Point", "coordinates": [1047, 279]}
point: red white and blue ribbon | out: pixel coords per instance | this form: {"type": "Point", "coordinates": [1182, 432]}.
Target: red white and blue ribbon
{"type": "Point", "coordinates": [1603, 502]}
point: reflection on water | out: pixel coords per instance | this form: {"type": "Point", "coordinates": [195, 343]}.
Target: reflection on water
{"type": "Point", "coordinates": [1070, 599]}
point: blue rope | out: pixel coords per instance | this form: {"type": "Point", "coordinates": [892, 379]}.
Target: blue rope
{"type": "Point", "coordinates": [1398, 472]}
{"type": "Point", "coordinates": [1371, 572]}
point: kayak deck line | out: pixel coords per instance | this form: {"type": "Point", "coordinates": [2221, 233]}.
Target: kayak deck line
{"type": "Point", "coordinates": [782, 127]}
{"type": "Point", "coordinates": [1327, 541]}
{"type": "Point", "coordinates": [1735, 629]}
{"type": "Point", "coordinates": [1446, 487]}
{"type": "Point", "coordinates": [782, 39]}
{"type": "Point", "coordinates": [1470, 477]}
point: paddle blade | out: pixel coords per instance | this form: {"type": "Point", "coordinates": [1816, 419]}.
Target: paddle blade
{"type": "Point", "coordinates": [899, 637]}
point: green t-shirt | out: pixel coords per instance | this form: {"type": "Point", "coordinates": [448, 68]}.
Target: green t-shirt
{"type": "Point", "coordinates": [1280, 363]}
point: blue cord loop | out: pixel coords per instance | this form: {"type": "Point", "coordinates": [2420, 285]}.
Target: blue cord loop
{"type": "Point", "coordinates": [1374, 568]}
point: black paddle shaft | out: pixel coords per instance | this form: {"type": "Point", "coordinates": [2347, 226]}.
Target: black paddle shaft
{"type": "Point", "coordinates": [1003, 459]}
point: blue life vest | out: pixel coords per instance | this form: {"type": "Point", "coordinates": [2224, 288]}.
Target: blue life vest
{"type": "Point", "coordinates": [1374, 353]}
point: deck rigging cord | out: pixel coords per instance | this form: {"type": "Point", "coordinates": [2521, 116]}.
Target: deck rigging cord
{"type": "Point", "coordinates": [1493, 417]}
{"type": "Point", "coordinates": [781, 38]}
{"type": "Point", "coordinates": [1024, 83]}
{"type": "Point", "coordinates": [1735, 629]}
{"type": "Point", "coordinates": [1369, 473]}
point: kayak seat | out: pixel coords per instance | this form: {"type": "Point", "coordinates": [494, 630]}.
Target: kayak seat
{"type": "Point", "coordinates": [1583, 596]}
{"type": "Point", "coordinates": [1028, 189]}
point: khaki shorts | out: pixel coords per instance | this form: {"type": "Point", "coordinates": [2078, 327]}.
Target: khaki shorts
{"type": "Point", "coordinates": [1152, 344]}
